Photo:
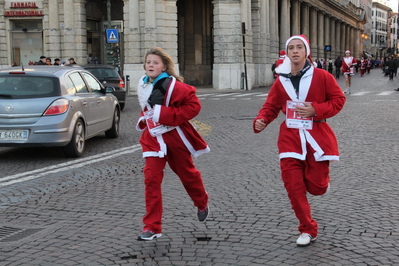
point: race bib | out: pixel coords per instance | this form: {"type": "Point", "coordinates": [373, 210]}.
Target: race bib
{"type": "Point", "coordinates": [155, 128]}
{"type": "Point", "coordinates": [293, 120]}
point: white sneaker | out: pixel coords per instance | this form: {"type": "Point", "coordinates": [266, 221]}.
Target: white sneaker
{"type": "Point", "coordinates": [305, 239]}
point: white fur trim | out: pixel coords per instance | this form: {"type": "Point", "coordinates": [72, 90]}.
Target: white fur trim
{"type": "Point", "coordinates": [157, 112]}
{"type": "Point", "coordinates": [285, 67]}
{"type": "Point", "coordinates": [143, 93]}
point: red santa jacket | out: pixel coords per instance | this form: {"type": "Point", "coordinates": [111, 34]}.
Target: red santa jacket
{"type": "Point", "coordinates": [348, 67]}
{"type": "Point", "coordinates": [180, 105]}
{"type": "Point", "coordinates": [320, 89]}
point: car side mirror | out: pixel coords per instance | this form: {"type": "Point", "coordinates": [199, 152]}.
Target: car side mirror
{"type": "Point", "coordinates": [109, 89]}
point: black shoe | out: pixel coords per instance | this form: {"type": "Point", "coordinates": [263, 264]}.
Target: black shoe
{"type": "Point", "coordinates": [396, 89]}
{"type": "Point", "coordinates": [148, 235]}
{"type": "Point", "coordinates": [203, 214]}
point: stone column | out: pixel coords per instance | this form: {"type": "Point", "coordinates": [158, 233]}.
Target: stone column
{"type": "Point", "coordinates": [344, 46]}
{"type": "Point", "coordinates": [68, 30]}
{"type": "Point", "coordinates": [74, 41]}
{"type": "Point", "coordinates": [313, 33]}
{"type": "Point", "coordinates": [327, 39]}
{"type": "Point", "coordinates": [333, 38]}
{"type": "Point", "coordinates": [284, 22]}
{"type": "Point", "coordinates": [296, 14]}
{"type": "Point", "coordinates": [149, 35]}
{"type": "Point", "coordinates": [134, 53]}
{"type": "Point", "coordinates": [53, 32]}
{"type": "Point", "coordinates": [273, 26]}
{"type": "Point", "coordinates": [228, 63]}
{"type": "Point", "coordinates": [320, 35]}
{"type": "Point", "coordinates": [356, 43]}
{"type": "Point", "coordinates": [305, 20]}
{"type": "Point", "coordinates": [338, 40]}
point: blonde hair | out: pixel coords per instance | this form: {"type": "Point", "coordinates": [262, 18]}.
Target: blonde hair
{"type": "Point", "coordinates": [166, 60]}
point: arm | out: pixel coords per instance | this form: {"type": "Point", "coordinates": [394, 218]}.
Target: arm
{"type": "Point", "coordinates": [184, 106]}
{"type": "Point", "coordinates": [270, 108]}
{"type": "Point", "coordinates": [334, 99]}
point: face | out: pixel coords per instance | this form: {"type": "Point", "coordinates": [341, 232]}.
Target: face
{"type": "Point", "coordinates": [347, 54]}
{"type": "Point", "coordinates": [296, 51]}
{"type": "Point", "coordinates": [154, 66]}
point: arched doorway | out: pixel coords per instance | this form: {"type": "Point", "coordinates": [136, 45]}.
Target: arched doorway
{"type": "Point", "coordinates": [195, 41]}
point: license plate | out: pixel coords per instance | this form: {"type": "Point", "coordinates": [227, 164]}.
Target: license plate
{"type": "Point", "coordinates": [13, 134]}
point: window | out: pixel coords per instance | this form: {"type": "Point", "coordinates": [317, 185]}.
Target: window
{"type": "Point", "coordinates": [92, 82]}
{"type": "Point", "coordinates": [80, 85]}
{"type": "Point", "coordinates": [26, 41]}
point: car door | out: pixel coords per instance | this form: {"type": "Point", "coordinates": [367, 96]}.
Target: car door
{"type": "Point", "coordinates": [87, 101]}
{"type": "Point", "coordinates": [104, 103]}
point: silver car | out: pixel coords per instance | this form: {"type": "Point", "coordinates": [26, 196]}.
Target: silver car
{"type": "Point", "coordinates": [55, 106]}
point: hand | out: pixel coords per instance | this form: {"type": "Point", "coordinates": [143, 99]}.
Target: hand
{"type": "Point", "coordinates": [260, 124]}
{"type": "Point", "coordinates": [305, 111]}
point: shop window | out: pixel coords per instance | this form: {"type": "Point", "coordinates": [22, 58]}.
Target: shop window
{"type": "Point", "coordinates": [26, 41]}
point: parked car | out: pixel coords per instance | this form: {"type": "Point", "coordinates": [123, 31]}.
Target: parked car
{"type": "Point", "coordinates": [110, 77]}
{"type": "Point", "coordinates": [55, 106]}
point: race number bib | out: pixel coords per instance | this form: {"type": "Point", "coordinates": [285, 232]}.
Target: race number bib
{"type": "Point", "coordinates": [155, 128]}
{"type": "Point", "coordinates": [293, 120]}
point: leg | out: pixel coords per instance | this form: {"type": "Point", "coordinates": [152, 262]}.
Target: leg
{"type": "Point", "coordinates": [181, 162]}
{"type": "Point", "coordinates": [153, 176]}
{"type": "Point", "coordinates": [292, 172]}
{"type": "Point", "coordinates": [317, 174]}
{"type": "Point", "coordinates": [347, 76]}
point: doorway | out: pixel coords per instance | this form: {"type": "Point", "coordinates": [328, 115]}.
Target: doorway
{"type": "Point", "coordinates": [195, 41]}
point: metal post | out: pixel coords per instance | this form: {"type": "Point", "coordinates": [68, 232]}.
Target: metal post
{"type": "Point", "coordinates": [245, 63]}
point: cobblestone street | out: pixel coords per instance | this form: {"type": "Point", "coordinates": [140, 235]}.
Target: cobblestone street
{"type": "Point", "coordinates": [92, 215]}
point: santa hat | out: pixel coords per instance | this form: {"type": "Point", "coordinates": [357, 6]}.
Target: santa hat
{"type": "Point", "coordinates": [282, 54]}
{"type": "Point", "coordinates": [285, 67]}
{"type": "Point", "coordinates": [347, 51]}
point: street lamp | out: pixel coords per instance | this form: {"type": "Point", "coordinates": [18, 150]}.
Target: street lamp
{"type": "Point", "coordinates": [364, 38]}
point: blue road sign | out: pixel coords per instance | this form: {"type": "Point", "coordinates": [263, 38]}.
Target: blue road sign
{"type": "Point", "coordinates": [112, 35]}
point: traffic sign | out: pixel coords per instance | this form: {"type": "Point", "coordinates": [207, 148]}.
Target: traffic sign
{"type": "Point", "coordinates": [112, 35]}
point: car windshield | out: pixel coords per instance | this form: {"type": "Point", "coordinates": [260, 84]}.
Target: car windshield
{"type": "Point", "coordinates": [22, 87]}
{"type": "Point", "coordinates": [103, 73]}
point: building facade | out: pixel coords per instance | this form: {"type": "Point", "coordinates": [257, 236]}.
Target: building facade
{"type": "Point", "coordinates": [204, 37]}
{"type": "Point", "coordinates": [380, 30]}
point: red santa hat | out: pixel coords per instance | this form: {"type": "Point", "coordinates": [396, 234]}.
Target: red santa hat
{"type": "Point", "coordinates": [285, 67]}
{"type": "Point", "coordinates": [347, 51]}
{"type": "Point", "coordinates": [282, 54]}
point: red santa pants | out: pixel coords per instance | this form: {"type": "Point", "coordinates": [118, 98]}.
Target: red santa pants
{"type": "Point", "coordinates": [300, 177]}
{"type": "Point", "coordinates": [181, 162]}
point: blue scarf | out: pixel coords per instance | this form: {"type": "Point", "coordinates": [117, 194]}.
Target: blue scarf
{"type": "Point", "coordinates": [146, 79]}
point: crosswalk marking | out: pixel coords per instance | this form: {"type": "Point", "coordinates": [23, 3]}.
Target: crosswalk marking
{"type": "Point", "coordinates": [386, 93]}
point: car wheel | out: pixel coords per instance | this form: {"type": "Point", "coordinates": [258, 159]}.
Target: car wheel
{"type": "Point", "coordinates": [76, 146]}
{"type": "Point", "coordinates": [113, 132]}
{"type": "Point", "coordinates": [122, 105]}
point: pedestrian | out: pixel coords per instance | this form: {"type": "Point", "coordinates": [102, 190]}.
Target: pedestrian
{"type": "Point", "coordinates": [48, 61]}
{"type": "Point", "coordinates": [338, 65]}
{"type": "Point", "coordinates": [71, 61]}
{"type": "Point", "coordinates": [391, 64]}
{"type": "Point", "coordinates": [363, 64]}
{"type": "Point", "coordinates": [63, 62]}
{"type": "Point", "coordinates": [330, 66]}
{"type": "Point", "coordinates": [167, 106]}
{"type": "Point", "coordinates": [42, 60]}
{"type": "Point", "coordinates": [57, 62]}
{"type": "Point", "coordinates": [369, 65]}
{"type": "Point", "coordinates": [348, 62]}
{"type": "Point", "coordinates": [307, 96]}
